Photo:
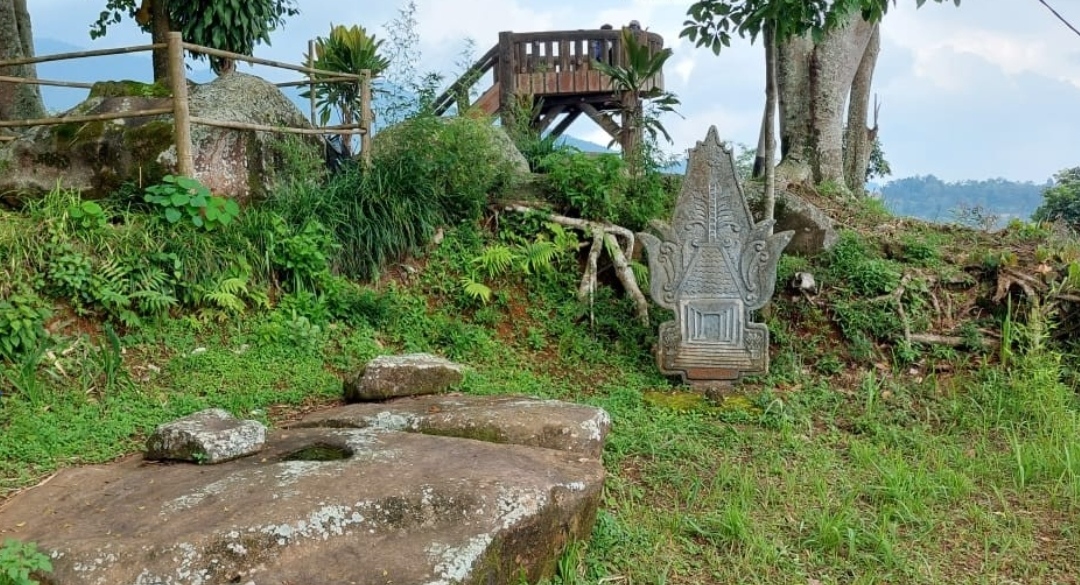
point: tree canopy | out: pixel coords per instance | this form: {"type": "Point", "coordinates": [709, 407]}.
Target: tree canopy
{"type": "Point", "coordinates": [712, 22]}
{"type": "Point", "coordinates": [1061, 201]}
{"type": "Point", "coordinates": [229, 25]}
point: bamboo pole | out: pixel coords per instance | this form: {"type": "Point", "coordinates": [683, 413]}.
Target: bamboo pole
{"type": "Point", "coordinates": [267, 62]}
{"type": "Point", "coordinates": [80, 54]}
{"type": "Point", "coordinates": [343, 129]}
{"type": "Point", "coordinates": [185, 162]}
{"type": "Point", "coordinates": [76, 84]}
{"type": "Point", "coordinates": [311, 78]}
{"type": "Point", "coordinates": [87, 118]}
{"type": "Point", "coordinates": [308, 82]}
{"type": "Point", "coordinates": [366, 116]}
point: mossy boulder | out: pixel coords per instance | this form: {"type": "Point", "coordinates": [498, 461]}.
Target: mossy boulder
{"type": "Point", "coordinates": [97, 157]}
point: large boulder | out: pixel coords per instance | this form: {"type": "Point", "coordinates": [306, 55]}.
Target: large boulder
{"type": "Point", "coordinates": [361, 506]}
{"type": "Point", "coordinates": [815, 231]}
{"type": "Point", "coordinates": [393, 376]}
{"type": "Point", "coordinates": [95, 158]}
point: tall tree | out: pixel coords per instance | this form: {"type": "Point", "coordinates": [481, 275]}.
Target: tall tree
{"type": "Point", "coordinates": [18, 101]}
{"type": "Point", "coordinates": [826, 51]}
{"type": "Point", "coordinates": [220, 24]}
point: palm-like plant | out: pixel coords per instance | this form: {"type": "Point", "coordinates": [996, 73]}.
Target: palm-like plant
{"type": "Point", "coordinates": [634, 80]}
{"type": "Point", "coordinates": [348, 50]}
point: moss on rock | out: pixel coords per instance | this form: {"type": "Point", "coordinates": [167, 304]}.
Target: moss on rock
{"type": "Point", "coordinates": [129, 88]}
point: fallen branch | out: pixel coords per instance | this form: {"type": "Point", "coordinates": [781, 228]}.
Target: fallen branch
{"type": "Point", "coordinates": [951, 340]}
{"type": "Point", "coordinates": [601, 233]}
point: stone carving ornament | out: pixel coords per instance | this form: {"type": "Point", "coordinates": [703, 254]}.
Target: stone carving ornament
{"type": "Point", "coordinates": [712, 266]}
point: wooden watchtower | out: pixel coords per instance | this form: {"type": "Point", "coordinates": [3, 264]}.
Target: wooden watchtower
{"type": "Point", "coordinates": [556, 69]}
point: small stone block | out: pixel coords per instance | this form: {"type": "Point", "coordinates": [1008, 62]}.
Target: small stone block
{"type": "Point", "coordinates": [403, 375]}
{"type": "Point", "coordinates": [209, 436]}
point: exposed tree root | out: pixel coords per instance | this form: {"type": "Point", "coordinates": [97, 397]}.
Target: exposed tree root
{"type": "Point", "coordinates": [604, 236]}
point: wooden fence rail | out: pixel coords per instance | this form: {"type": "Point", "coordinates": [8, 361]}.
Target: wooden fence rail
{"type": "Point", "coordinates": [179, 108]}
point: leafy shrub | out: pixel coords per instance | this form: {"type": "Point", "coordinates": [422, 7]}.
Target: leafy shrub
{"type": "Point", "coordinates": [454, 163]}
{"type": "Point", "coordinates": [598, 187]}
{"type": "Point", "coordinates": [1061, 201]}
{"type": "Point", "coordinates": [87, 215]}
{"type": "Point", "coordinates": [591, 186]}
{"type": "Point", "coordinates": [18, 560]}
{"type": "Point", "coordinates": [180, 197]}
{"type": "Point", "coordinates": [22, 323]}
{"type": "Point", "coordinates": [303, 256]}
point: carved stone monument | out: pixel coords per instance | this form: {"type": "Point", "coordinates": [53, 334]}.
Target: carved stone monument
{"type": "Point", "coordinates": [713, 266]}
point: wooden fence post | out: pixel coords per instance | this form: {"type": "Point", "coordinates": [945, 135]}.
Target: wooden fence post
{"type": "Point", "coordinates": [507, 72]}
{"type": "Point", "coordinates": [185, 164]}
{"type": "Point", "coordinates": [311, 76]}
{"type": "Point", "coordinates": [366, 116]}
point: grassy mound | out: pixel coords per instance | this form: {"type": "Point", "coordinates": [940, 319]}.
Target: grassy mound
{"type": "Point", "coordinates": [919, 423]}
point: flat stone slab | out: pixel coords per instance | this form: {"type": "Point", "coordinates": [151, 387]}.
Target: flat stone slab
{"type": "Point", "coordinates": [393, 376]}
{"type": "Point", "coordinates": [401, 508]}
{"type": "Point", "coordinates": [551, 424]}
{"type": "Point", "coordinates": [208, 436]}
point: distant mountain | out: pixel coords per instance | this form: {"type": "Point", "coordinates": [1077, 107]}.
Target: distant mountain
{"type": "Point", "coordinates": [930, 198]}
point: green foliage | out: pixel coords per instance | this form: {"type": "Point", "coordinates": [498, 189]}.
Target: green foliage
{"type": "Point", "coordinates": [220, 24]}
{"type": "Point", "coordinates": [588, 185]}
{"type": "Point", "coordinates": [599, 188]}
{"type": "Point", "coordinates": [640, 66]}
{"type": "Point", "coordinates": [532, 145]}
{"type": "Point", "coordinates": [712, 22]}
{"type": "Point", "coordinates": [22, 323]}
{"type": "Point", "coordinates": [348, 50]}
{"type": "Point", "coordinates": [854, 265]}
{"type": "Point", "coordinates": [1061, 201]}
{"type": "Point", "coordinates": [879, 167]}
{"type": "Point", "coordinates": [549, 247]}
{"type": "Point", "coordinates": [302, 257]}
{"type": "Point", "coordinates": [88, 215]}
{"type": "Point", "coordinates": [180, 197]}
{"type": "Point", "coordinates": [18, 560]}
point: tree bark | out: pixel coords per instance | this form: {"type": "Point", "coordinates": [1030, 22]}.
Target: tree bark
{"type": "Point", "coordinates": [814, 81]}
{"type": "Point", "coordinates": [858, 139]}
{"type": "Point", "coordinates": [18, 101]}
{"type": "Point", "coordinates": [769, 124]}
{"type": "Point", "coordinates": [160, 26]}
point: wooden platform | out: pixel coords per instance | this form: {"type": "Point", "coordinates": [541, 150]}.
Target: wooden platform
{"type": "Point", "coordinates": [556, 71]}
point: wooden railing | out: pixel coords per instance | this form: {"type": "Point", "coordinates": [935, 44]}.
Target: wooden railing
{"type": "Point", "coordinates": [526, 61]}
{"type": "Point", "coordinates": [179, 100]}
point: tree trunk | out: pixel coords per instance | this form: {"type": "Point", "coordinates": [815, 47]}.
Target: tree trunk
{"type": "Point", "coordinates": [858, 139]}
{"type": "Point", "coordinates": [758, 172]}
{"type": "Point", "coordinates": [160, 26]}
{"type": "Point", "coordinates": [769, 124]}
{"type": "Point", "coordinates": [814, 81]}
{"type": "Point", "coordinates": [630, 133]}
{"type": "Point", "coordinates": [18, 101]}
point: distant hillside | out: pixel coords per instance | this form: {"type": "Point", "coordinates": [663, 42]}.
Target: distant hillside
{"type": "Point", "coordinates": [930, 198]}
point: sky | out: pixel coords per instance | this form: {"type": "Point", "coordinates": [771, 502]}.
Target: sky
{"type": "Point", "coordinates": [986, 90]}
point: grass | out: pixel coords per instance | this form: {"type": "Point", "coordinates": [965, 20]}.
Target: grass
{"type": "Point", "coordinates": [860, 458]}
